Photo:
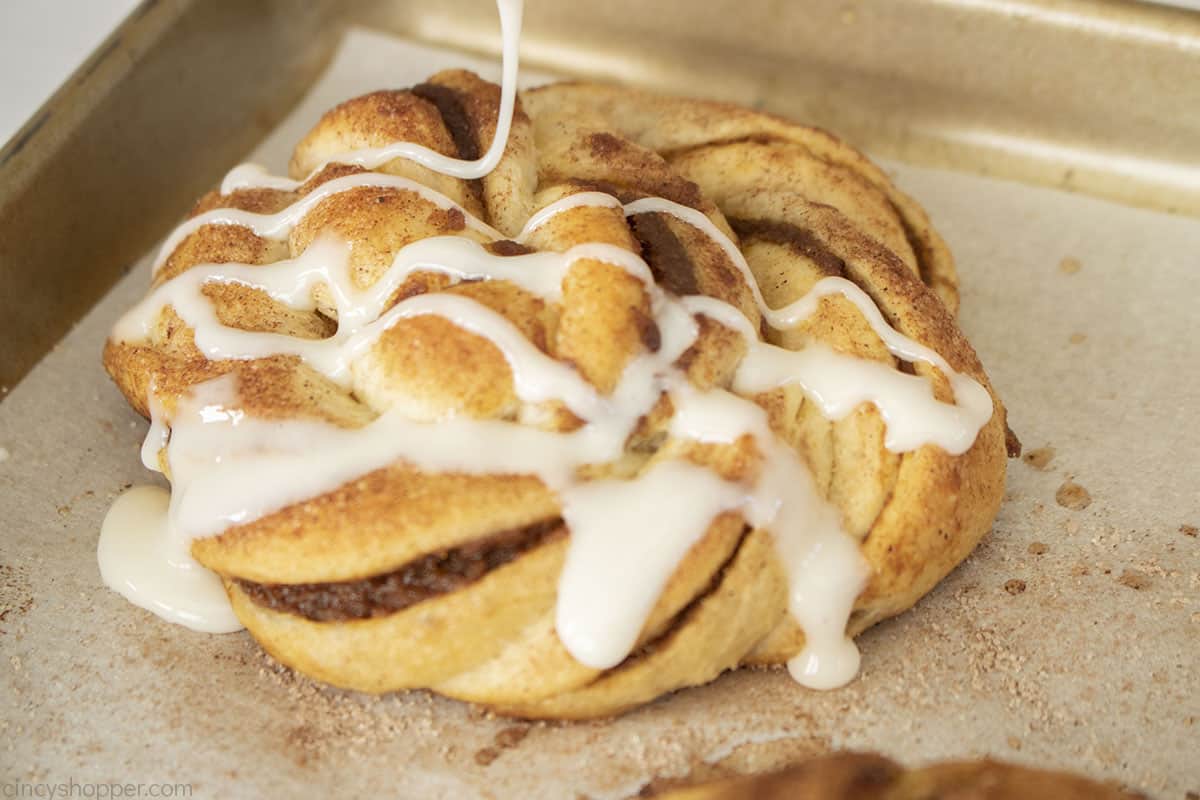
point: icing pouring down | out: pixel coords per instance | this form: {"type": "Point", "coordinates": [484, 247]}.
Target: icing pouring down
{"type": "Point", "coordinates": [228, 467]}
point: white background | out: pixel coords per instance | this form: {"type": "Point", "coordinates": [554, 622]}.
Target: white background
{"type": "Point", "coordinates": [41, 43]}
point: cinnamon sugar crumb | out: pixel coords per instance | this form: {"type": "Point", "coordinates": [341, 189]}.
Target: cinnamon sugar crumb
{"type": "Point", "coordinates": [1078, 338]}
{"type": "Point", "coordinates": [448, 219]}
{"type": "Point", "coordinates": [604, 145]}
{"type": "Point", "coordinates": [1073, 496]}
{"type": "Point", "coordinates": [1070, 265]}
{"type": "Point", "coordinates": [1039, 458]}
{"type": "Point", "coordinates": [1189, 530]}
{"type": "Point", "coordinates": [486, 756]}
{"type": "Point", "coordinates": [1038, 548]}
{"type": "Point", "coordinates": [1014, 586]}
{"type": "Point", "coordinates": [1134, 579]}
{"type": "Point", "coordinates": [511, 737]}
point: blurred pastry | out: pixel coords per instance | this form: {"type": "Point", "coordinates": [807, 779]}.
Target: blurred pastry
{"type": "Point", "coordinates": [864, 776]}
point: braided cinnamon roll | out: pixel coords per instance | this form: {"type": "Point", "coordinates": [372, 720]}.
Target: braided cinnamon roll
{"type": "Point", "coordinates": [676, 387]}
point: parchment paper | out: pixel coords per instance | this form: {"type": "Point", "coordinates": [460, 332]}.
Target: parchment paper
{"type": "Point", "coordinates": [1068, 639]}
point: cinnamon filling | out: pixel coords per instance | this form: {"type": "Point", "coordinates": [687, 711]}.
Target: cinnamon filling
{"type": "Point", "coordinates": [453, 111]}
{"type": "Point", "coordinates": [668, 259]}
{"type": "Point", "coordinates": [507, 247]}
{"type": "Point", "coordinates": [800, 241]}
{"type": "Point", "coordinates": [427, 577]}
{"type": "Point", "coordinates": [454, 117]}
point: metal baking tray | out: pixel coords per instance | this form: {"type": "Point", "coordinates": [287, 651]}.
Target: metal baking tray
{"type": "Point", "coordinates": [1056, 144]}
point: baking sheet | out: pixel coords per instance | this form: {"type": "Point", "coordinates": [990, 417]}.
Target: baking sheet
{"type": "Point", "coordinates": [1068, 639]}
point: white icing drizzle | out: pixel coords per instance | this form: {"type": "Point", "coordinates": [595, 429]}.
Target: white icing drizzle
{"type": "Point", "coordinates": [360, 313]}
{"type": "Point", "coordinates": [159, 433]}
{"type": "Point", "coordinates": [825, 569]}
{"type": "Point", "coordinates": [839, 383]}
{"type": "Point", "coordinates": [139, 560]}
{"type": "Point", "coordinates": [229, 468]}
{"type": "Point", "coordinates": [256, 176]}
{"type": "Point", "coordinates": [577, 200]}
{"type": "Point", "coordinates": [371, 158]}
{"type": "Point", "coordinates": [277, 226]}
{"type": "Point", "coordinates": [652, 522]}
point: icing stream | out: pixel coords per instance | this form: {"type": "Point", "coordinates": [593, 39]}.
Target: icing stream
{"type": "Point", "coordinates": [511, 11]}
{"type": "Point", "coordinates": [229, 468]}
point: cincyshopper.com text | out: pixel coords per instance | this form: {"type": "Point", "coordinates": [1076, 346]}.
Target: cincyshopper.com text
{"type": "Point", "coordinates": [48, 790]}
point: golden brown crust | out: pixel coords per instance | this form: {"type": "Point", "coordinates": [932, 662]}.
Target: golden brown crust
{"type": "Point", "coordinates": [674, 126]}
{"type": "Point", "coordinates": [803, 206]}
{"type": "Point", "coordinates": [866, 776]}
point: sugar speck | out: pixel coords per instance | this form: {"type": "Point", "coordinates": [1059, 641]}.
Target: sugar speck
{"type": "Point", "coordinates": [1073, 496]}
{"type": "Point", "coordinates": [1040, 458]}
{"type": "Point", "coordinates": [1070, 265]}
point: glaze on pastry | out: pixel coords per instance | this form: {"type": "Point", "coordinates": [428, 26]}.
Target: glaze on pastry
{"type": "Point", "coordinates": [672, 386]}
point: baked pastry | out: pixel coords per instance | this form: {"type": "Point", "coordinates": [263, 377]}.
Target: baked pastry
{"type": "Point", "coordinates": [492, 437]}
{"type": "Point", "coordinates": [865, 776]}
